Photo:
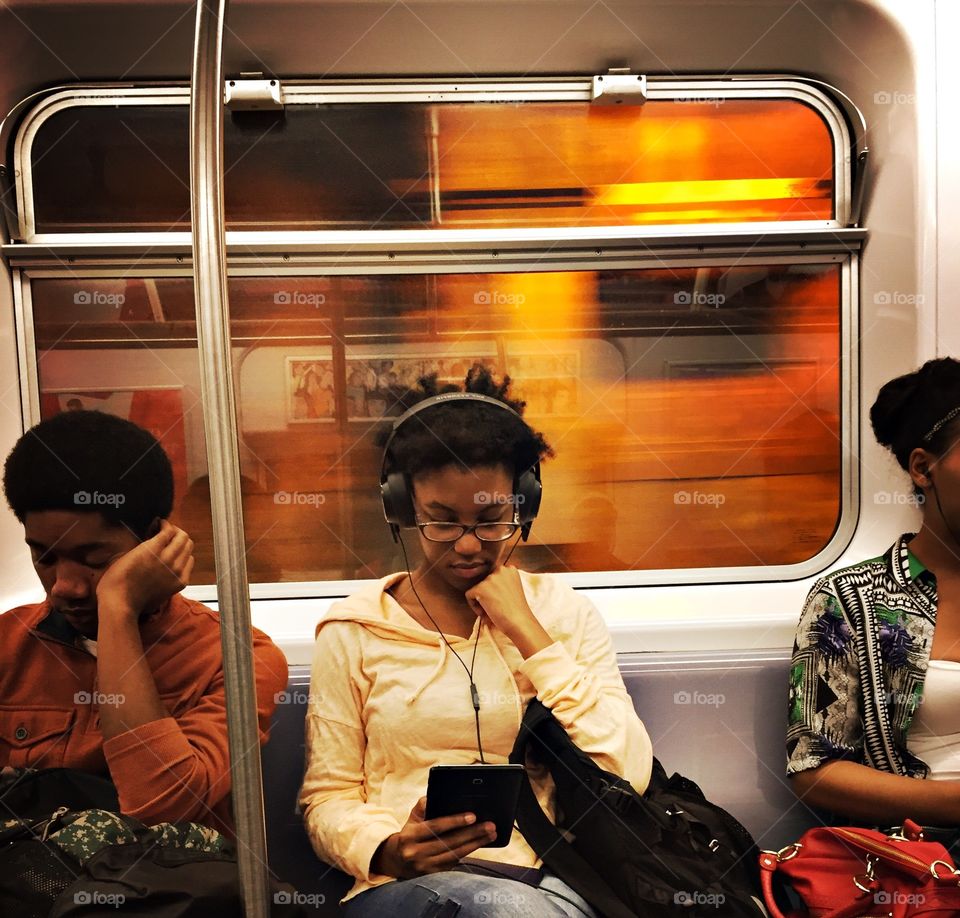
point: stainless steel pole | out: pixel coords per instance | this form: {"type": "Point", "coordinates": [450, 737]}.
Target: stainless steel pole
{"type": "Point", "coordinates": [213, 342]}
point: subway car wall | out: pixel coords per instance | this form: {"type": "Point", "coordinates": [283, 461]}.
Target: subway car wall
{"type": "Point", "coordinates": [698, 297]}
{"type": "Point", "coordinates": [729, 392]}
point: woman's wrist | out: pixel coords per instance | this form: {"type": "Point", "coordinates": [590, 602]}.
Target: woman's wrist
{"type": "Point", "coordinates": [383, 860]}
{"type": "Point", "coordinates": [531, 640]}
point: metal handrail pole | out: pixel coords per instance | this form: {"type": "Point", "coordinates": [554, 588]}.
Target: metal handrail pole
{"type": "Point", "coordinates": [213, 342]}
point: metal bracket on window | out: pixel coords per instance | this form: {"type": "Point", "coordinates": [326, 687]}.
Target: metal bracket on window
{"type": "Point", "coordinates": [619, 86]}
{"type": "Point", "coordinates": [859, 186]}
{"type": "Point", "coordinates": [251, 92]}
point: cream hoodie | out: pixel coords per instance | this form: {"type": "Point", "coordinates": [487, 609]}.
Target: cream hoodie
{"type": "Point", "coordinates": [388, 700]}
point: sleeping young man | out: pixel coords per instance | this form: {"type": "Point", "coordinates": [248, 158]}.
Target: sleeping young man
{"type": "Point", "coordinates": [115, 672]}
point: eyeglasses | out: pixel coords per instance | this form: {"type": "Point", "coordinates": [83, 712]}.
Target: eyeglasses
{"type": "Point", "coordinates": [485, 532]}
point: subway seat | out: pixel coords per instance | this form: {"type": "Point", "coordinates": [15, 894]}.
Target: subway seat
{"type": "Point", "coordinates": [718, 718]}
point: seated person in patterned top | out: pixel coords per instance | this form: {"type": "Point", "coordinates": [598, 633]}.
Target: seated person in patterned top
{"type": "Point", "coordinates": [116, 673]}
{"type": "Point", "coordinates": [878, 638]}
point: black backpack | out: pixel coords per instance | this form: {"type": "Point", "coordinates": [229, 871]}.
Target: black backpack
{"type": "Point", "coordinates": [665, 853]}
{"type": "Point", "coordinates": [31, 793]}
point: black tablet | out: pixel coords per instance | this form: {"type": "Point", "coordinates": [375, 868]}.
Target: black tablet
{"type": "Point", "coordinates": [490, 792]}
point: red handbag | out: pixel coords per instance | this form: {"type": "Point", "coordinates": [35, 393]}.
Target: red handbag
{"type": "Point", "coordinates": [846, 873]}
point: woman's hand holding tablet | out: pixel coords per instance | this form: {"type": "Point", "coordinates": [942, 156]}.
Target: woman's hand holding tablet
{"type": "Point", "coordinates": [489, 792]}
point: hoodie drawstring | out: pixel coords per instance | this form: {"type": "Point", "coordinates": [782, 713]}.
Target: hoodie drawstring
{"type": "Point", "coordinates": [441, 660]}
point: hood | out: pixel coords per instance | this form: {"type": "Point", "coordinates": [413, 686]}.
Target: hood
{"type": "Point", "coordinates": [372, 607]}
{"type": "Point", "coordinates": [375, 610]}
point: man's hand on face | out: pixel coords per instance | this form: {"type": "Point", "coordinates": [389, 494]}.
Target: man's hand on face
{"type": "Point", "coordinates": [142, 579]}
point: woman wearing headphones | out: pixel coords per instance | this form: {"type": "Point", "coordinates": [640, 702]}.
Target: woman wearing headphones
{"type": "Point", "coordinates": [877, 639]}
{"type": "Point", "coordinates": [436, 665]}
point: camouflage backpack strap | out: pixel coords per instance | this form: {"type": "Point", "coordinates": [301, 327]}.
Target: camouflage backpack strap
{"type": "Point", "coordinates": [190, 836]}
{"type": "Point", "coordinates": [88, 831]}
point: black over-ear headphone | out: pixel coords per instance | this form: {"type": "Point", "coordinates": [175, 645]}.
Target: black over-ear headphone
{"type": "Point", "coordinates": [396, 491]}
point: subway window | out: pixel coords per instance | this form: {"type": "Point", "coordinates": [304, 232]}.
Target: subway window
{"type": "Point", "coordinates": [126, 168]}
{"type": "Point", "coordinates": [668, 284]}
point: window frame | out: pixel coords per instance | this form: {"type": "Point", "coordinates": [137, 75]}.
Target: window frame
{"type": "Point", "coordinates": [427, 251]}
{"type": "Point", "coordinates": [424, 92]}
{"type": "Point", "coordinates": [849, 422]}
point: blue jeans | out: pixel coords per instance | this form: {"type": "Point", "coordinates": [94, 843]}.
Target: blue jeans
{"type": "Point", "coordinates": [463, 895]}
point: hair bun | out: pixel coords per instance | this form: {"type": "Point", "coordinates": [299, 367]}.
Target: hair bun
{"type": "Point", "coordinates": [907, 407]}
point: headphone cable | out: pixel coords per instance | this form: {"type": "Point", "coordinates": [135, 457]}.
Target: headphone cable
{"type": "Point", "coordinates": [474, 694]}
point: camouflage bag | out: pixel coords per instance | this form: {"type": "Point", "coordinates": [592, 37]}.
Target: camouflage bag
{"type": "Point", "coordinates": [41, 861]}
{"type": "Point", "coordinates": [32, 873]}
{"type": "Point", "coordinates": [91, 863]}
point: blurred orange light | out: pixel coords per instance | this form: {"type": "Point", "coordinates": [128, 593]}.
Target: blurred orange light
{"type": "Point", "coordinates": [724, 190]}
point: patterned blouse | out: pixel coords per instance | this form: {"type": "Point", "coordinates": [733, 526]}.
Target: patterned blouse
{"type": "Point", "coordinates": [859, 662]}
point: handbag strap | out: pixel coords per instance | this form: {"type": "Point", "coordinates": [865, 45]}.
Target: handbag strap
{"type": "Point", "coordinates": [768, 867]}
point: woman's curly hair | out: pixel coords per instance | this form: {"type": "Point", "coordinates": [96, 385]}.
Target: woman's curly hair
{"type": "Point", "coordinates": [468, 434]}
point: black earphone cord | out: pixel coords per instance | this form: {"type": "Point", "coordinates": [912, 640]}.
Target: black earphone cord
{"type": "Point", "coordinates": [474, 697]}
{"type": "Point", "coordinates": [474, 694]}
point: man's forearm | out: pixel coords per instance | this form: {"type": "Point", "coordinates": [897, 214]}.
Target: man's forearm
{"type": "Point", "coordinates": [128, 693]}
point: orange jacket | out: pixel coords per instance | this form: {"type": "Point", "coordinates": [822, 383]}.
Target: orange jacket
{"type": "Point", "coordinates": [172, 769]}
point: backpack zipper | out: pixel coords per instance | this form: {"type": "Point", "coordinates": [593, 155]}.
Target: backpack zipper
{"type": "Point", "coordinates": [54, 817]}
